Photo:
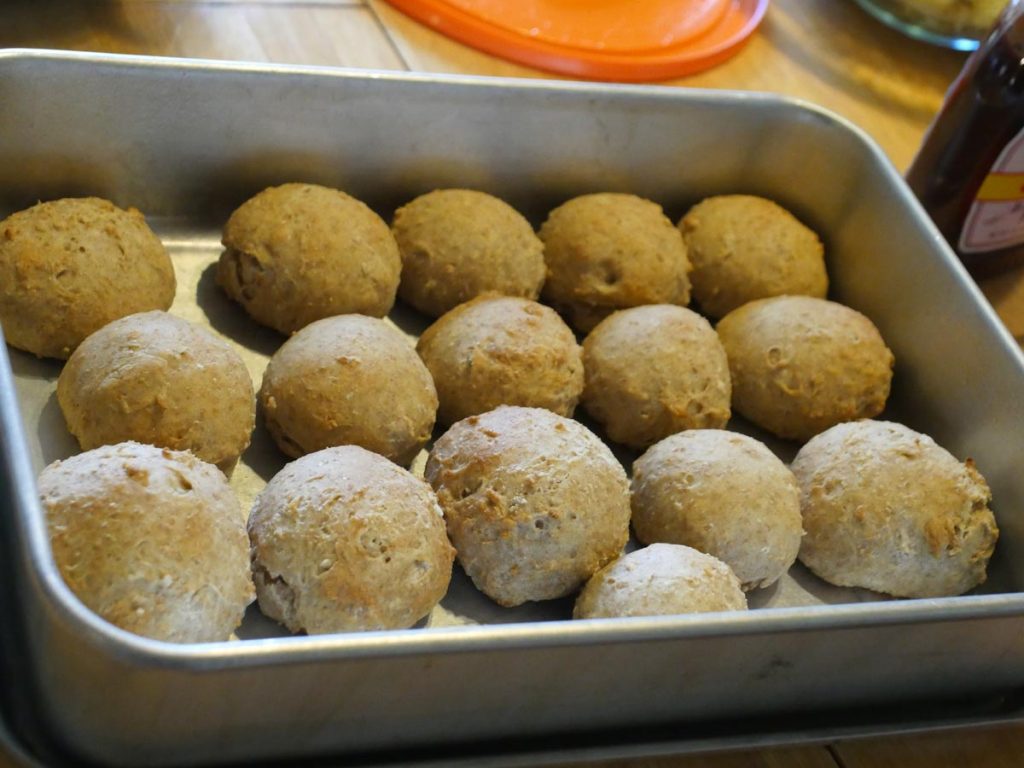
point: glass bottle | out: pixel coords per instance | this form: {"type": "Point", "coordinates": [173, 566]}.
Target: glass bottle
{"type": "Point", "coordinates": [969, 172]}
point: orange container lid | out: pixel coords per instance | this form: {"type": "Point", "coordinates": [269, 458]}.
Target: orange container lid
{"type": "Point", "coordinates": [625, 40]}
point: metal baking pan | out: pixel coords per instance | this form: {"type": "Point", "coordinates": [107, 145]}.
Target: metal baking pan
{"type": "Point", "coordinates": [187, 141]}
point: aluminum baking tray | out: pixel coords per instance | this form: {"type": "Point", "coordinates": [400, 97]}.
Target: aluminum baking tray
{"type": "Point", "coordinates": [187, 141]}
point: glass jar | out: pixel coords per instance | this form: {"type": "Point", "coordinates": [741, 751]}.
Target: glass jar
{"type": "Point", "coordinates": [959, 24]}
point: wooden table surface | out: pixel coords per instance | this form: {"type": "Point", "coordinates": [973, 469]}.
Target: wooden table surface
{"type": "Point", "coordinates": [825, 51]}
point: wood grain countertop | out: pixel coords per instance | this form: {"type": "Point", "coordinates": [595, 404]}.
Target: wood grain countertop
{"type": "Point", "coordinates": [825, 51]}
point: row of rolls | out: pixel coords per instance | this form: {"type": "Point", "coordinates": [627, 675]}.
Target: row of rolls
{"type": "Point", "coordinates": [534, 505]}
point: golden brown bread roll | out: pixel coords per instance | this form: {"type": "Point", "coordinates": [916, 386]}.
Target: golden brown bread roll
{"type": "Point", "coordinates": [535, 504]}
{"type": "Point", "coordinates": [653, 371]}
{"type": "Point", "coordinates": [459, 243]}
{"type": "Point", "coordinates": [502, 350]}
{"type": "Point", "coordinates": [610, 251]}
{"type": "Point", "coordinates": [660, 580]}
{"type": "Point", "coordinates": [799, 365]}
{"type": "Point", "coordinates": [158, 379]}
{"type": "Point", "coordinates": [349, 380]}
{"type": "Point", "coordinates": [343, 540]}
{"type": "Point", "coordinates": [721, 493]}
{"type": "Point", "coordinates": [300, 252]}
{"type": "Point", "coordinates": [744, 248]}
{"type": "Point", "coordinates": [68, 267]}
{"type": "Point", "coordinates": [886, 508]}
{"type": "Point", "coordinates": [151, 539]}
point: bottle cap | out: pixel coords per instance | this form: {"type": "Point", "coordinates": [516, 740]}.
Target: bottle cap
{"type": "Point", "coordinates": [623, 40]}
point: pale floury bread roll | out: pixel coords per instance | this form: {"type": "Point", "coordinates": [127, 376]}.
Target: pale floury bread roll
{"type": "Point", "coordinates": [502, 350]}
{"type": "Point", "coordinates": [152, 540]}
{"type": "Point", "coordinates": [654, 371]}
{"type": "Point", "coordinates": [459, 243]}
{"type": "Point", "coordinates": [344, 540]}
{"type": "Point", "coordinates": [660, 580]}
{"type": "Point", "coordinates": [610, 251]}
{"type": "Point", "coordinates": [68, 267]}
{"type": "Point", "coordinates": [887, 509]}
{"type": "Point", "coordinates": [300, 252]}
{"type": "Point", "coordinates": [744, 247]}
{"type": "Point", "coordinates": [349, 380]}
{"type": "Point", "coordinates": [800, 365]}
{"type": "Point", "coordinates": [158, 379]}
{"type": "Point", "coordinates": [722, 493]}
{"type": "Point", "coordinates": [535, 503]}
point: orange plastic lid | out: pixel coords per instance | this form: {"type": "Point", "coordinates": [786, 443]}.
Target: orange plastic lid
{"type": "Point", "coordinates": [625, 40]}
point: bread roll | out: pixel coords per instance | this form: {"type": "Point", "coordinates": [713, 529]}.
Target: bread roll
{"type": "Point", "coordinates": [887, 509]}
{"type": "Point", "coordinates": [459, 243]}
{"type": "Point", "coordinates": [158, 379]}
{"type": "Point", "coordinates": [653, 371]}
{"type": "Point", "coordinates": [502, 350]}
{"type": "Point", "coordinates": [744, 248]}
{"type": "Point", "coordinates": [349, 380]}
{"type": "Point", "coordinates": [660, 580]}
{"type": "Point", "coordinates": [68, 267]}
{"type": "Point", "coordinates": [300, 252]}
{"type": "Point", "coordinates": [721, 493]}
{"type": "Point", "coordinates": [150, 539]}
{"type": "Point", "coordinates": [343, 540]}
{"type": "Point", "coordinates": [535, 504]}
{"type": "Point", "coordinates": [611, 251]}
{"type": "Point", "coordinates": [800, 365]}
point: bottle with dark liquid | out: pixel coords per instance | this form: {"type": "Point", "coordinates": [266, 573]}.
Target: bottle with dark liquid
{"type": "Point", "coordinates": [969, 172]}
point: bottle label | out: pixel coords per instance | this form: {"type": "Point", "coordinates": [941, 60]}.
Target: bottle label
{"type": "Point", "coordinates": [996, 217]}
